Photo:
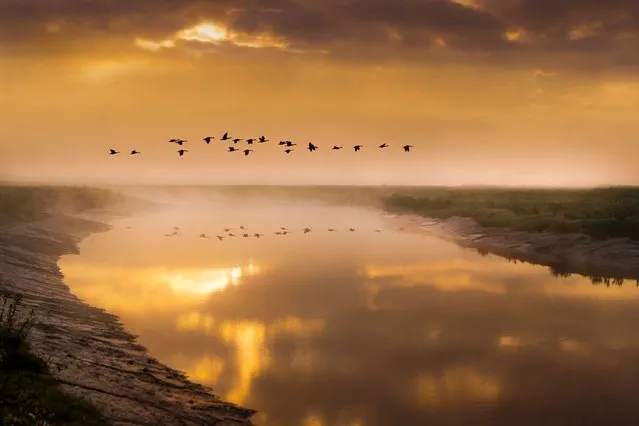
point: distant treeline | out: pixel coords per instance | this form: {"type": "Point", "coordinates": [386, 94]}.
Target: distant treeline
{"type": "Point", "coordinates": [600, 213]}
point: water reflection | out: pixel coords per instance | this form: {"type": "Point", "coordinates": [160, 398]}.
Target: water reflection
{"type": "Point", "coordinates": [367, 330]}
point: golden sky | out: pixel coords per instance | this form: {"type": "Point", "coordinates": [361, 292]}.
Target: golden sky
{"type": "Point", "coordinates": [533, 92]}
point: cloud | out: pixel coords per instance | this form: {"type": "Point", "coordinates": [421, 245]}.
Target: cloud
{"type": "Point", "coordinates": [592, 34]}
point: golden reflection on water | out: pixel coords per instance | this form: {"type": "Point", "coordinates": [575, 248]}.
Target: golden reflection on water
{"type": "Point", "coordinates": [356, 334]}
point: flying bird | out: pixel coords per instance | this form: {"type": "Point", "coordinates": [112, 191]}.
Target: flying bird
{"type": "Point", "coordinates": [134, 152]}
{"type": "Point", "coordinates": [311, 147]}
{"type": "Point", "coordinates": [357, 147]}
{"type": "Point", "coordinates": [283, 228]}
{"type": "Point", "coordinates": [257, 235]}
{"type": "Point", "coordinates": [231, 235]}
{"type": "Point", "coordinates": [246, 151]}
{"type": "Point", "coordinates": [233, 149]}
{"type": "Point", "coordinates": [263, 139]}
{"type": "Point", "coordinates": [282, 143]}
{"type": "Point", "coordinates": [242, 227]}
{"type": "Point", "coordinates": [407, 148]}
{"type": "Point", "coordinates": [377, 230]}
{"type": "Point", "coordinates": [113, 152]}
{"type": "Point", "coordinates": [178, 141]}
{"type": "Point", "coordinates": [227, 229]}
{"type": "Point", "coordinates": [383, 145]}
{"type": "Point", "coordinates": [288, 151]}
{"type": "Point", "coordinates": [208, 139]}
{"type": "Point", "coordinates": [173, 140]}
{"type": "Point", "coordinates": [245, 235]}
{"type": "Point", "coordinates": [331, 230]}
{"type": "Point", "coordinates": [236, 140]}
{"type": "Point", "coordinates": [337, 147]}
{"type": "Point", "coordinates": [290, 144]}
{"type": "Point", "coordinates": [204, 236]}
{"type": "Point", "coordinates": [307, 230]}
{"type": "Point", "coordinates": [352, 229]}
{"type": "Point", "coordinates": [250, 141]}
{"type": "Point", "coordinates": [182, 151]}
{"type": "Point", "coordinates": [225, 136]}
{"type": "Point", "coordinates": [219, 237]}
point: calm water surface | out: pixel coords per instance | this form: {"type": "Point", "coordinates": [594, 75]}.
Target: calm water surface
{"type": "Point", "coordinates": [362, 328]}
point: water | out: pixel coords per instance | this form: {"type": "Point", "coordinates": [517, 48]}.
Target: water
{"type": "Point", "coordinates": [362, 328]}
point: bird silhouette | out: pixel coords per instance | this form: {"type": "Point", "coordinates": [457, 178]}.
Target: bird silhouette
{"type": "Point", "coordinates": [377, 230]}
{"type": "Point", "coordinates": [245, 235]}
{"type": "Point", "coordinates": [263, 139]}
{"type": "Point", "coordinates": [290, 144]}
{"type": "Point", "coordinates": [180, 142]}
{"type": "Point", "coordinates": [407, 148]}
{"type": "Point", "coordinates": [134, 152]}
{"type": "Point", "coordinates": [182, 151]}
{"type": "Point", "coordinates": [204, 236]}
{"type": "Point", "coordinates": [282, 143]}
{"type": "Point", "coordinates": [311, 147]}
{"type": "Point", "coordinates": [236, 140]}
{"type": "Point", "coordinates": [337, 147]}
{"type": "Point", "coordinates": [219, 237]}
{"type": "Point", "coordinates": [383, 145]}
{"type": "Point", "coordinates": [173, 140]}
{"type": "Point", "coordinates": [307, 230]}
{"type": "Point", "coordinates": [113, 152]}
{"type": "Point", "coordinates": [233, 149]}
{"type": "Point", "coordinates": [351, 229]}
{"type": "Point", "coordinates": [242, 227]}
{"type": "Point", "coordinates": [250, 141]}
{"type": "Point", "coordinates": [176, 228]}
{"type": "Point", "coordinates": [227, 229]}
{"type": "Point", "coordinates": [288, 151]}
{"type": "Point", "coordinates": [283, 228]}
{"type": "Point", "coordinates": [231, 235]}
{"type": "Point", "coordinates": [225, 136]}
{"type": "Point", "coordinates": [246, 151]}
{"type": "Point", "coordinates": [331, 230]}
{"type": "Point", "coordinates": [208, 139]}
{"type": "Point", "coordinates": [257, 235]}
{"type": "Point", "coordinates": [357, 147]}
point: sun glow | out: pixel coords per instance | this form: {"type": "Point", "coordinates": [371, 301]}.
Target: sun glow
{"type": "Point", "coordinates": [210, 33]}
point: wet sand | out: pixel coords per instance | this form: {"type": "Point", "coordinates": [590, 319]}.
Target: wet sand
{"type": "Point", "coordinates": [602, 261]}
{"type": "Point", "coordinates": [87, 349]}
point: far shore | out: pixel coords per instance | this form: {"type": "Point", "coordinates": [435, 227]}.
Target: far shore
{"type": "Point", "coordinates": [609, 261]}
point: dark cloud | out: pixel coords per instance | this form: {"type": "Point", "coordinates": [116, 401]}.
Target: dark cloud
{"type": "Point", "coordinates": [553, 32]}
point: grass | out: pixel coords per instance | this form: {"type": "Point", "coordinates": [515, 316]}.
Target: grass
{"type": "Point", "coordinates": [29, 394]}
{"type": "Point", "coordinates": [600, 213]}
{"type": "Point", "coordinates": [25, 203]}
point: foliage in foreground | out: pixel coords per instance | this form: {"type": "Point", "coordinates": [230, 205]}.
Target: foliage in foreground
{"type": "Point", "coordinates": [29, 395]}
{"type": "Point", "coordinates": [601, 213]}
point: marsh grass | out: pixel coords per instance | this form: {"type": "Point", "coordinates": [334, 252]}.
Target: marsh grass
{"type": "Point", "coordinates": [600, 213]}
{"type": "Point", "coordinates": [29, 394]}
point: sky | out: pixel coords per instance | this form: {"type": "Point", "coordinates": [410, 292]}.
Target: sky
{"type": "Point", "coordinates": [507, 92]}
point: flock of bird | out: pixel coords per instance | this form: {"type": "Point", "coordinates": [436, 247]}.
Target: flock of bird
{"type": "Point", "coordinates": [243, 232]}
{"type": "Point", "coordinates": [287, 144]}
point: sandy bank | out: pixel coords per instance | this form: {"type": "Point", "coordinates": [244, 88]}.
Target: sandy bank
{"type": "Point", "coordinates": [87, 349]}
{"type": "Point", "coordinates": [603, 261]}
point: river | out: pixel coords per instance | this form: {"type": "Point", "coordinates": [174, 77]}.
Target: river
{"type": "Point", "coordinates": [373, 327]}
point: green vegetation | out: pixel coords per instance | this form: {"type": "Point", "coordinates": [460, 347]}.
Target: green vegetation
{"type": "Point", "coordinates": [29, 395]}
{"type": "Point", "coordinates": [24, 203]}
{"type": "Point", "coordinates": [600, 213]}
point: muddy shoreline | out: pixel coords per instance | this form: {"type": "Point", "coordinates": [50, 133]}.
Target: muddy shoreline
{"type": "Point", "coordinates": [605, 261]}
{"type": "Point", "coordinates": [88, 350]}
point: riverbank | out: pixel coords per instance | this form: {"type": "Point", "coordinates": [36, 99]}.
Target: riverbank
{"type": "Point", "coordinates": [608, 262]}
{"type": "Point", "coordinates": [87, 350]}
